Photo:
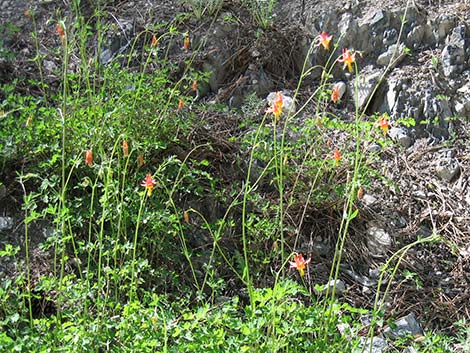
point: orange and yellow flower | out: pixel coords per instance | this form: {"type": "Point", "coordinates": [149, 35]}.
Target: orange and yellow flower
{"type": "Point", "coordinates": [324, 40]}
{"type": "Point", "coordinates": [149, 184]}
{"type": "Point", "coordinates": [276, 106]}
{"type": "Point", "coordinates": [89, 158]}
{"type": "Point", "coordinates": [383, 123]}
{"type": "Point", "coordinates": [348, 58]}
{"type": "Point", "coordinates": [335, 94]}
{"type": "Point", "coordinates": [194, 86]}
{"type": "Point", "coordinates": [299, 263]}
{"type": "Point", "coordinates": [337, 156]}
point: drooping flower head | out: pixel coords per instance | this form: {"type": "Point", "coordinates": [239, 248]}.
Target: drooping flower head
{"type": "Point", "coordinates": [299, 263]}
{"type": "Point", "coordinates": [149, 184]}
{"type": "Point", "coordinates": [154, 42]}
{"type": "Point", "coordinates": [60, 31]}
{"type": "Point", "coordinates": [335, 94]}
{"type": "Point", "coordinates": [383, 123]}
{"type": "Point", "coordinates": [140, 160]}
{"type": "Point", "coordinates": [180, 104]}
{"type": "Point", "coordinates": [194, 86]}
{"type": "Point", "coordinates": [276, 106]}
{"type": "Point", "coordinates": [324, 40]}
{"type": "Point", "coordinates": [89, 158]}
{"type": "Point", "coordinates": [348, 58]}
{"type": "Point", "coordinates": [186, 43]}
{"type": "Point", "coordinates": [337, 156]}
{"type": "Point", "coordinates": [125, 148]}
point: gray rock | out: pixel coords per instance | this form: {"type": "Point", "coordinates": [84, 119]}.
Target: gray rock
{"type": "Point", "coordinates": [395, 54]}
{"type": "Point", "coordinates": [340, 287]}
{"type": "Point", "coordinates": [447, 169]}
{"type": "Point", "coordinates": [366, 87]}
{"type": "Point", "coordinates": [401, 136]}
{"type": "Point", "coordinates": [406, 326]}
{"type": "Point", "coordinates": [415, 37]}
{"type": "Point", "coordinates": [50, 66]}
{"type": "Point", "coordinates": [368, 200]}
{"type": "Point", "coordinates": [390, 36]}
{"type": "Point", "coordinates": [379, 344]}
{"type": "Point", "coordinates": [453, 54]}
{"type": "Point", "coordinates": [6, 223]}
{"type": "Point", "coordinates": [441, 26]}
{"type": "Point", "coordinates": [378, 240]}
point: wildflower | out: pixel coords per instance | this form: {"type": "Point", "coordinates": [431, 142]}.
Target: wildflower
{"type": "Point", "coordinates": [60, 31]}
{"type": "Point", "coordinates": [27, 13]}
{"type": "Point", "coordinates": [154, 42]}
{"type": "Point", "coordinates": [194, 86]}
{"type": "Point", "coordinates": [383, 123]}
{"type": "Point", "coordinates": [348, 59]}
{"type": "Point", "coordinates": [276, 106]}
{"type": "Point", "coordinates": [186, 43]}
{"type": "Point", "coordinates": [180, 104]}
{"type": "Point", "coordinates": [89, 157]}
{"type": "Point", "coordinates": [125, 148]}
{"type": "Point", "coordinates": [337, 156]}
{"type": "Point", "coordinates": [324, 39]}
{"type": "Point", "coordinates": [186, 216]}
{"type": "Point", "coordinates": [140, 160]}
{"type": "Point", "coordinates": [29, 121]}
{"type": "Point", "coordinates": [299, 263]}
{"type": "Point", "coordinates": [335, 94]}
{"type": "Point", "coordinates": [360, 193]}
{"type": "Point", "coordinates": [149, 184]}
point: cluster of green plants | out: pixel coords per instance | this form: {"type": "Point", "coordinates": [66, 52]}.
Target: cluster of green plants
{"type": "Point", "coordinates": [137, 266]}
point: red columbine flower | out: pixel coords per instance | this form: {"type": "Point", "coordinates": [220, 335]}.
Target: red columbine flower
{"type": "Point", "coordinates": [60, 31]}
{"type": "Point", "coordinates": [149, 184]}
{"type": "Point", "coordinates": [337, 156]}
{"type": "Point", "coordinates": [186, 43]}
{"type": "Point", "coordinates": [186, 216]}
{"type": "Point", "coordinates": [324, 39]}
{"type": "Point", "coordinates": [154, 42]}
{"type": "Point", "coordinates": [194, 86]}
{"type": "Point", "coordinates": [383, 123]}
{"type": "Point", "coordinates": [299, 263]}
{"type": "Point", "coordinates": [125, 148]}
{"type": "Point", "coordinates": [276, 106]}
{"type": "Point", "coordinates": [348, 59]}
{"type": "Point", "coordinates": [89, 158]}
{"type": "Point", "coordinates": [335, 94]}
